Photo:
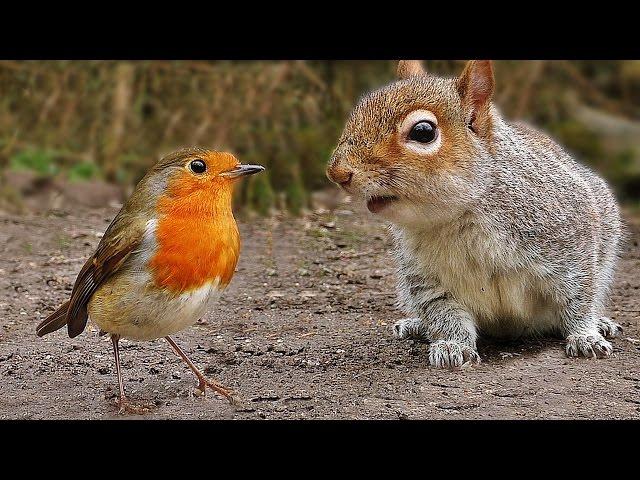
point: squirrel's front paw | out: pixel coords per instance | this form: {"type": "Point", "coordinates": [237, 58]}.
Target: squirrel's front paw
{"type": "Point", "coordinates": [451, 354]}
{"type": "Point", "coordinates": [591, 346]}
{"type": "Point", "coordinates": [409, 328]}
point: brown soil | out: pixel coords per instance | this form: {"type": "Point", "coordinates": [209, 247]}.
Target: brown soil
{"type": "Point", "coordinates": [302, 332]}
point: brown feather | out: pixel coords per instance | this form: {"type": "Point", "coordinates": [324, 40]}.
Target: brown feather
{"type": "Point", "coordinates": [120, 239]}
{"type": "Point", "coordinates": [53, 322]}
{"type": "Point", "coordinates": [104, 263]}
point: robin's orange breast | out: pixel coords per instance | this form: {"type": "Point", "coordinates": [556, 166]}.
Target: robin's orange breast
{"type": "Point", "coordinates": [197, 237]}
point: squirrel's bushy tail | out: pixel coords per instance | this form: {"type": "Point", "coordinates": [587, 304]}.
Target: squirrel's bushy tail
{"type": "Point", "coordinates": [53, 322]}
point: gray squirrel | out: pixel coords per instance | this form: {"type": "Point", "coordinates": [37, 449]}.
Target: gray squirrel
{"type": "Point", "coordinates": [498, 231]}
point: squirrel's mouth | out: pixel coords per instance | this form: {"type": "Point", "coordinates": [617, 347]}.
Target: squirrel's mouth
{"type": "Point", "coordinates": [376, 204]}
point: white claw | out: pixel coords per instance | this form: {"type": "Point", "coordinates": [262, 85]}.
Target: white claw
{"type": "Point", "coordinates": [589, 346]}
{"type": "Point", "coordinates": [451, 354]}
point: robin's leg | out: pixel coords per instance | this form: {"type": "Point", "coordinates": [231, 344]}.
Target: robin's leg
{"type": "Point", "coordinates": [124, 405]}
{"type": "Point", "coordinates": [204, 381]}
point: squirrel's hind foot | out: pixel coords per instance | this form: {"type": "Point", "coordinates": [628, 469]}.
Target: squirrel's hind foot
{"type": "Point", "coordinates": [590, 346]}
{"type": "Point", "coordinates": [608, 328]}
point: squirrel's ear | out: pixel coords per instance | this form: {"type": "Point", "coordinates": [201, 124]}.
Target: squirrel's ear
{"type": "Point", "coordinates": [475, 87]}
{"type": "Point", "coordinates": [410, 68]}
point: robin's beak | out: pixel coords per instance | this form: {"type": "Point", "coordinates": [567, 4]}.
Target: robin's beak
{"type": "Point", "coordinates": [242, 171]}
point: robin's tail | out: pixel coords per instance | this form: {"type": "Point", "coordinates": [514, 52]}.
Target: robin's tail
{"type": "Point", "coordinates": [53, 322]}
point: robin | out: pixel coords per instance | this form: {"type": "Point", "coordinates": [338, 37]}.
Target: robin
{"type": "Point", "coordinates": [169, 252]}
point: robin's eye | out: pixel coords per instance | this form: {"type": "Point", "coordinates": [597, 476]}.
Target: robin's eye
{"type": "Point", "coordinates": [198, 166]}
{"type": "Point", "coordinates": [423, 132]}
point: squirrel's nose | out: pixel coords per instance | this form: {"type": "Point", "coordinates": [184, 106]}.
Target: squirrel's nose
{"type": "Point", "coordinates": [340, 175]}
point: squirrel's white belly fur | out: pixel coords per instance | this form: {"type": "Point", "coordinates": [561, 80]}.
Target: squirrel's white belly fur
{"type": "Point", "coordinates": [505, 297]}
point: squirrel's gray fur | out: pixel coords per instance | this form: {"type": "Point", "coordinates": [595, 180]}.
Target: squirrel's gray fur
{"type": "Point", "coordinates": [507, 236]}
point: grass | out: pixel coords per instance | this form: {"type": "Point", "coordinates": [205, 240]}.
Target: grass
{"type": "Point", "coordinates": [40, 161]}
{"type": "Point", "coordinates": [49, 163]}
{"type": "Point", "coordinates": [83, 171]}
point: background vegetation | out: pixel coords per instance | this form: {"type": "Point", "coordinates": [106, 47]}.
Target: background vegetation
{"type": "Point", "coordinates": [111, 120]}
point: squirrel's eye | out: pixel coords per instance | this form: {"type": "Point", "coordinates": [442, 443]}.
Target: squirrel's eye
{"type": "Point", "coordinates": [423, 132]}
{"type": "Point", "coordinates": [198, 166]}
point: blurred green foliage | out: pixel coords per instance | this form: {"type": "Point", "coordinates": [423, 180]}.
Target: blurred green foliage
{"type": "Point", "coordinates": [48, 163]}
{"type": "Point", "coordinates": [83, 171]}
{"type": "Point", "coordinates": [40, 161]}
{"type": "Point", "coordinates": [113, 120]}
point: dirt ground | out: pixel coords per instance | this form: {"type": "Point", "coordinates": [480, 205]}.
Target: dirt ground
{"type": "Point", "coordinates": [304, 331]}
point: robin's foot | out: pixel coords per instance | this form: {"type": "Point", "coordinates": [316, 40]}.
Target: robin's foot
{"type": "Point", "coordinates": [126, 406]}
{"type": "Point", "coordinates": [204, 381]}
{"type": "Point", "coordinates": [216, 387]}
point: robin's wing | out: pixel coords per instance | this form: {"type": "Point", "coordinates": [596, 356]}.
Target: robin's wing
{"type": "Point", "coordinates": [122, 237]}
